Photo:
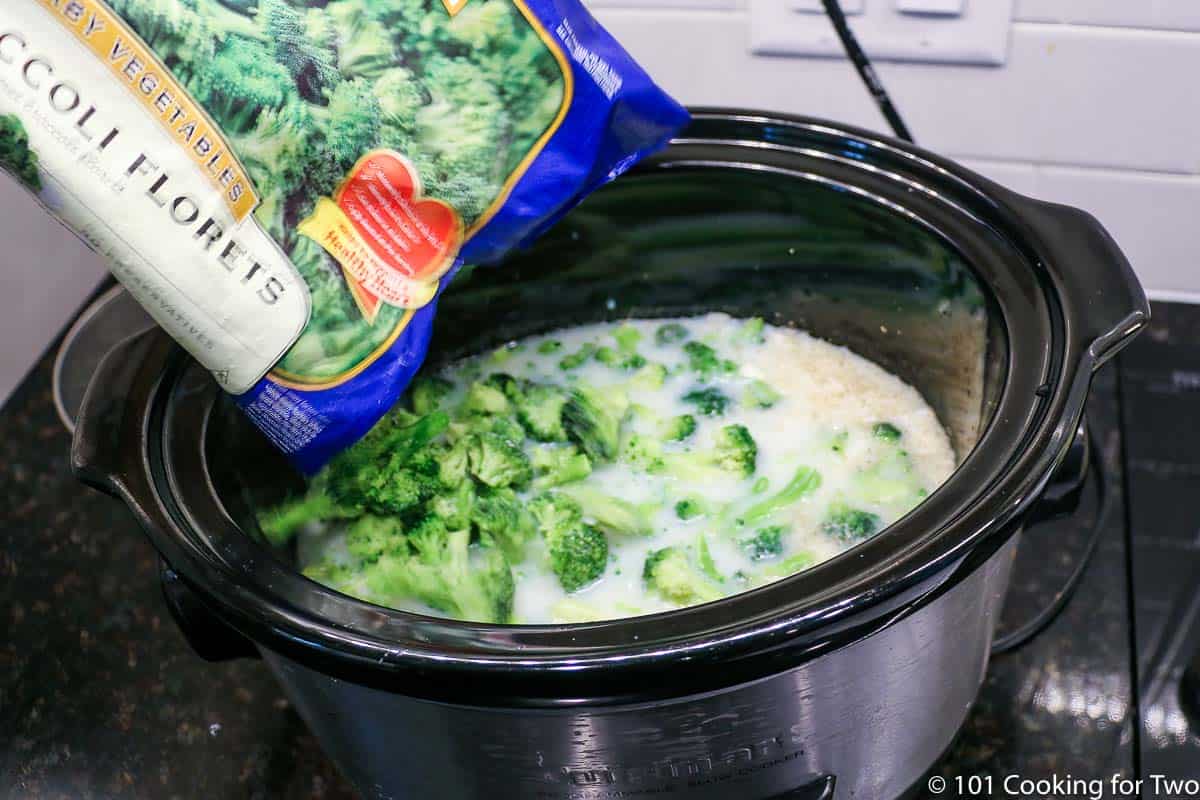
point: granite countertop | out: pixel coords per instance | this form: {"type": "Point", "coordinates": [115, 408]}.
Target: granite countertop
{"type": "Point", "coordinates": [100, 695]}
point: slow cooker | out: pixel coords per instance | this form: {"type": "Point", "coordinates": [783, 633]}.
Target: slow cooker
{"type": "Point", "coordinates": [848, 679]}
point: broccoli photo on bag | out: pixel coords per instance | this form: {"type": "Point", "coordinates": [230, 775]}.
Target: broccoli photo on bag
{"type": "Point", "coordinates": [15, 155]}
{"type": "Point", "coordinates": [304, 89]}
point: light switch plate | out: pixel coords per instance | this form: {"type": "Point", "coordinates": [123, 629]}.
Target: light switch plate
{"type": "Point", "coordinates": [978, 36]}
{"type": "Point", "coordinates": [948, 8]}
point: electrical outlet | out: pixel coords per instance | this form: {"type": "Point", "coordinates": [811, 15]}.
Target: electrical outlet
{"type": "Point", "coordinates": [950, 31]}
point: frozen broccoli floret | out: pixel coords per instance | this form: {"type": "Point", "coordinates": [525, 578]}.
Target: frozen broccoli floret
{"type": "Point", "coordinates": [281, 522]}
{"type": "Point", "coordinates": [710, 401]}
{"type": "Point", "coordinates": [676, 429]}
{"type": "Point", "coordinates": [766, 543]}
{"type": "Point", "coordinates": [691, 508]}
{"type": "Point", "coordinates": [571, 610]}
{"type": "Point", "coordinates": [495, 461]}
{"type": "Point", "coordinates": [649, 377]}
{"type": "Point", "coordinates": [485, 398]}
{"type": "Point", "coordinates": [555, 466]}
{"type": "Point", "coordinates": [734, 451]}
{"type": "Point", "coordinates": [443, 572]}
{"type": "Point", "coordinates": [455, 507]}
{"type": "Point", "coordinates": [378, 474]}
{"type": "Point", "coordinates": [502, 521]}
{"type": "Point", "coordinates": [850, 525]}
{"type": "Point", "coordinates": [593, 419]}
{"type": "Point", "coordinates": [704, 361]}
{"type": "Point", "coordinates": [618, 360]}
{"type": "Point", "coordinates": [549, 346]}
{"type": "Point", "coordinates": [804, 481]}
{"type": "Point", "coordinates": [577, 551]}
{"type": "Point", "coordinates": [752, 331]}
{"type": "Point", "coordinates": [577, 359]}
{"type": "Point", "coordinates": [669, 573]}
{"type": "Point", "coordinates": [759, 394]}
{"type": "Point", "coordinates": [370, 537]}
{"type": "Point", "coordinates": [886, 431]}
{"type": "Point", "coordinates": [627, 337]}
{"type": "Point", "coordinates": [540, 410]}
{"type": "Point", "coordinates": [670, 333]}
{"type": "Point", "coordinates": [611, 514]}
{"type": "Point", "coordinates": [427, 394]}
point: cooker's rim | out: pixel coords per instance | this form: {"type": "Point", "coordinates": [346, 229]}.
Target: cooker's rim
{"type": "Point", "coordinates": [746, 648]}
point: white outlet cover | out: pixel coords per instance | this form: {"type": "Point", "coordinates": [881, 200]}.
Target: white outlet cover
{"type": "Point", "coordinates": [978, 36]}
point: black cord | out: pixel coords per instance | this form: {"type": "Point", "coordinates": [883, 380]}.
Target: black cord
{"type": "Point", "coordinates": [861, 63]}
{"type": "Point", "coordinates": [1025, 633]}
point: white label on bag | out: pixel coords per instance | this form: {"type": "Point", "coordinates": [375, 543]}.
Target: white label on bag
{"type": "Point", "coordinates": [131, 163]}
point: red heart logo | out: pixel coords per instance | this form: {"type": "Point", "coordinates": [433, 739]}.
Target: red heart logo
{"type": "Point", "coordinates": [415, 237]}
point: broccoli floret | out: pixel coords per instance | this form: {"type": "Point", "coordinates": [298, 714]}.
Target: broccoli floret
{"type": "Point", "coordinates": [555, 466]}
{"type": "Point", "coordinates": [485, 398]}
{"type": "Point", "coordinates": [670, 333]}
{"type": "Point", "coordinates": [549, 346]}
{"type": "Point", "coordinates": [241, 81]}
{"type": "Point", "coordinates": [370, 537]}
{"type": "Point", "coordinates": [850, 525]}
{"type": "Point", "coordinates": [364, 48]}
{"type": "Point", "coordinates": [496, 461]}
{"type": "Point", "coordinates": [378, 474]}
{"type": "Point", "coordinates": [540, 410]}
{"type": "Point", "coordinates": [570, 610]}
{"type": "Point", "coordinates": [611, 514]}
{"type": "Point", "coordinates": [788, 566]}
{"type": "Point", "coordinates": [890, 481]}
{"type": "Point", "coordinates": [577, 359]}
{"type": "Point", "coordinates": [503, 521]}
{"type": "Point", "coordinates": [649, 377]}
{"type": "Point", "coordinates": [507, 429]}
{"type": "Point", "coordinates": [454, 507]}
{"type": "Point", "coordinates": [707, 565]}
{"type": "Point", "coordinates": [710, 401]}
{"type": "Point", "coordinates": [427, 394]}
{"type": "Point", "coordinates": [592, 419]}
{"type": "Point", "coordinates": [627, 337]}
{"type": "Point", "coordinates": [577, 551]}
{"type": "Point", "coordinates": [676, 429]}
{"type": "Point", "coordinates": [280, 523]}
{"type": "Point", "coordinates": [444, 573]}
{"type": "Point", "coordinates": [618, 360]}
{"type": "Point", "coordinates": [805, 481]}
{"type": "Point", "coordinates": [764, 544]}
{"type": "Point", "coordinates": [759, 394]}
{"type": "Point", "coordinates": [15, 155]}
{"type": "Point", "coordinates": [886, 431]}
{"type": "Point", "coordinates": [734, 451]}
{"type": "Point", "coordinates": [691, 507]}
{"type": "Point", "coordinates": [643, 452]}
{"type": "Point", "coordinates": [752, 331]}
{"type": "Point", "coordinates": [669, 573]}
{"type": "Point", "coordinates": [704, 361]}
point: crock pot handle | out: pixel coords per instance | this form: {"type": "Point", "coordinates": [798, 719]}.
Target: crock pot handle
{"type": "Point", "coordinates": [210, 638]}
{"type": "Point", "coordinates": [1096, 280]}
{"type": "Point", "coordinates": [106, 428]}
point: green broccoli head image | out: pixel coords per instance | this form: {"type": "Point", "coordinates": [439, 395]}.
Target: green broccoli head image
{"type": "Point", "coordinates": [304, 90]}
{"type": "Point", "coordinates": [15, 155]}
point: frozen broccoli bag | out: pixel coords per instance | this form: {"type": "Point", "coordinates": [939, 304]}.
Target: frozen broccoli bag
{"type": "Point", "coordinates": [287, 185]}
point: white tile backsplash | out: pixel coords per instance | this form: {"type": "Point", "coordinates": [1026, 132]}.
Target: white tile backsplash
{"type": "Point", "coordinates": [1178, 15]}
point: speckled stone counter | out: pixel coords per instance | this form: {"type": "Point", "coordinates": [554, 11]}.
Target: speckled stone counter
{"type": "Point", "coordinates": [101, 697]}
